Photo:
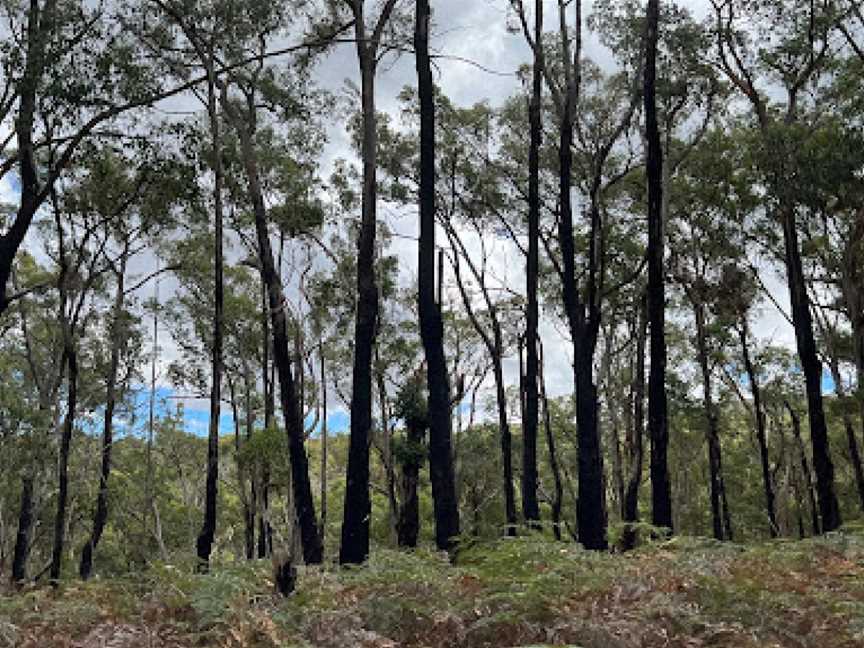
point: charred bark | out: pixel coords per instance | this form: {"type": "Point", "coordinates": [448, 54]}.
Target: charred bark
{"type": "Point", "coordinates": [811, 366]}
{"type": "Point", "coordinates": [658, 425]}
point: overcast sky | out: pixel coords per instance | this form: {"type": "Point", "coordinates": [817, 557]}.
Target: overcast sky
{"type": "Point", "coordinates": [464, 32]}
{"type": "Point", "coordinates": [478, 62]}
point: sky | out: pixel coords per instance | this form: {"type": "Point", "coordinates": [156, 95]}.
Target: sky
{"type": "Point", "coordinates": [465, 32]}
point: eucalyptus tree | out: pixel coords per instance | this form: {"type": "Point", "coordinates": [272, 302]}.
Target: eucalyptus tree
{"type": "Point", "coordinates": [138, 208]}
{"type": "Point", "coordinates": [794, 53]}
{"type": "Point", "coordinates": [708, 206]}
{"type": "Point", "coordinates": [370, 45]}
{"type": "Point", "coordinates": [431, 322]}
{"type": "Point", "coordinates": [78, 67]}
{"type": "Point", "coordinates": [244, 116]}
{"type": "Point", "coordinates": [471, 208]}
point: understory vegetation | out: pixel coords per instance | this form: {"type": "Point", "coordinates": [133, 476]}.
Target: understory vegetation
{"type": "Point", "coordinates": [523, 591]}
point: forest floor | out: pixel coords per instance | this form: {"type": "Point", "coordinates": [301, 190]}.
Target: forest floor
{"type": "Point", "coordinates": [679, 593]}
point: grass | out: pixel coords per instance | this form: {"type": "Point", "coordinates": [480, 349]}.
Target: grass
{"type": "Point", "coordinates": [528, 591]}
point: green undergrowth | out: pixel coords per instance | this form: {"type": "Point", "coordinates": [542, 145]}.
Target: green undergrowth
{"type": "Point", "coordinates": [527, 591]}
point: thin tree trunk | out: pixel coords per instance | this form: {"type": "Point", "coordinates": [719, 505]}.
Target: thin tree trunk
{"type": "Point", "coordinates": [658, 430]}
{"type": "Point", "coordinates": [204, 542]}
{"type": "Point", "coordinates": [291, 409]}
{"type": "Point", "coordinates": [323, 518]}
{"type": "Point", "coordinates": [719, 512]}
{"type": "Point", "coordinates": [849, 428]}
{"type": "Point", "coordinates": [63, 464]}
{"type": "Point", "coordinates": [265, 544]}
{"type": "Point", "coordinates": [761, 435]}
{"type": "Point", "coordinates": [494, 347]}
{"type": "Point", "coordinates": [812, 368]}
{"type": "Point", "coordinates": [558, 497]}
{"type": "Point", "coordinates": [249, 504]}
{"type": "Point", "coordinates": [431, 326]}
{"type": "Point", "coordinates": [101, 515]}
{"type": "Point", "coordinates": [805, 469]}
{"type": "Point", "coordinates": [635, 446]}
{"type": "Point", "coordinates": [530, 506]}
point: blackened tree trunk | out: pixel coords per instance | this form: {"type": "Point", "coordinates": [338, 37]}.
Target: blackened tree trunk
{"type": "Point", "coordinates": [304, 504]}
{"type": "Point", "coordinates": [719, 508]}
{"type": "Point", "coordinates": [761, 436]}
{"type": "Point", "coordinates": [658, 430]}
{"type": "Point", "coordinates": [250, 503]}
{"type": "Point", "coordinates": [634, 445]}
{"type": "Point", "coordinates": [805, 469]}
{"type": "Point", "coordinates": [358, 509]}
{"type": "Point", "coordinates": [265, 544]}
{"type": "Point", "coordinates": [558, 495]}
{"type": "Point", "coordinates": [71, 354]}
{"type": "Point", "coordinates": [431, 325]}
{"type": "Point", "coordinates": [530, 506]}
{"type": "Point", "coordinates": [100, 517]}
{"type": "Point", "coordinates": [354, 547]}
{"type": "Point", "coordinates": [323, 518]}
{"type": "Point", "coordinates": [25, 527]}
{"type": "Point", "coordinates": [408, 523]}
{"type": "Point", "coordinates": [590, 506]}
{"type": "Point", "coordinates": [812, 368]}
{"type": "Point", "coordinates": [204, 542]}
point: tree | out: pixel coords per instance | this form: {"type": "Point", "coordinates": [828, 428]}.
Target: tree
{"type": "Point", "coordinates": [798, 56]}
{"type": "Point", "coordinates": [354, 547]}
{"type": "Point", "coordinates": [431, 324]}
{"type": "Point", "coordinates": [658, 424]}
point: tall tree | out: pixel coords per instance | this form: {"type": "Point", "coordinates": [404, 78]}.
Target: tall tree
{"type": "Point", "coordinates": [431, 324]}
{"type": "Point", "coordinates": [799, 55]}
{"type": "Point", "coordinates": [354, 547]}
{"type": "Point", "coordinates": [658, 424]}
{"type": "Point", "coordinates": [530, 506]}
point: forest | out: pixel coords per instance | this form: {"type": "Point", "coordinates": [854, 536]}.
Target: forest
{"type": "Point", "coordinates": [434, 323]}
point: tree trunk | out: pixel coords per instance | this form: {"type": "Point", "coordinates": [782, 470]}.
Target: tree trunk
{"type": "Point", "coordinates": [431, 325]}
{"type": "Point", "coordinates": [243, 472]}
{"type": "Point", "coordinates": [25, 527]}
{"type": "Point", "coordinates": [265, 544]}
{"type": "Point", "coordinates": [63, 465]}
{"type": "Point", "coordinates": [494, 347]}
{"type": "Point", "coordinates": [719, 513]}
{"type": "Point", "coordinates": [805, 469]}
{"type": "Point", "coordinates": [101, 515]}
{"type": "Point", "coordinates": [558, 497]}
{"type": "Point", "coordinates": [358, 508]}
{"type": "Point", "coordinates": [658, 430]}
{"type": "Point", "coordinates": [506, 442]}
{"type": "Point", "coordinates": [204, 542]}
{"type": "Point", "coordinates": [291, 408]}
{"type": "Point", "coordinates": [408, 525]}
{"type": "Point", "coordinates": [590, 507]}
{"type": "Point", "coordinates": [812, 369]}
{"type": "Point", "coordinates": [323, 519]}
{"type": "Point", "coordinates": [761, 436]}
{"type": "Point", "coordinates": [530, 506]}
{"type": "Point", "coordinates": [635, 446]}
